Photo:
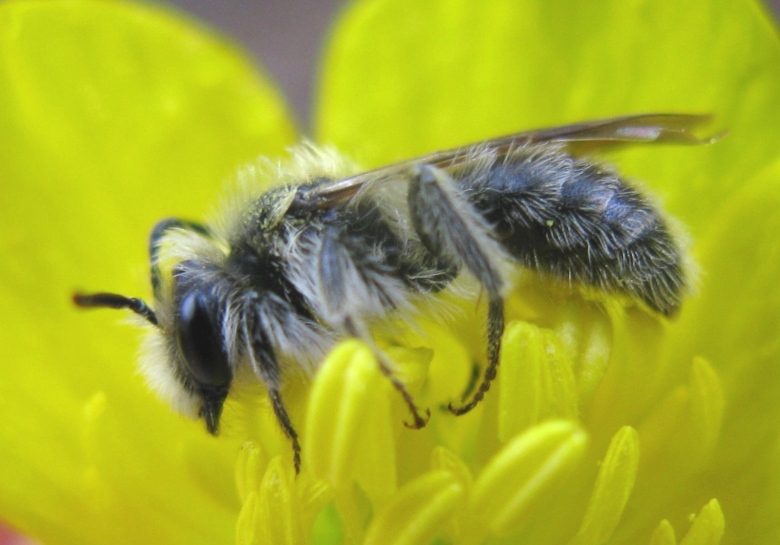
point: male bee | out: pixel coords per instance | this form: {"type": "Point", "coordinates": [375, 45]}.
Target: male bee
{"type": "Point", "coordinates": [290, 270]}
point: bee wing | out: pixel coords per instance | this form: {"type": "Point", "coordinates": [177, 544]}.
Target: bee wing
{"type": "Point", "coordinates": [640, 128]}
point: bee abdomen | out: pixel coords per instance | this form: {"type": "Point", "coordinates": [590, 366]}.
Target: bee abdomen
{"type": "Point", "coordinates": [580, 222]}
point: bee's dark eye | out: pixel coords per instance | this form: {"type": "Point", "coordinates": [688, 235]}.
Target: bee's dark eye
{"type": "Point", "coordinates": [201, 344]}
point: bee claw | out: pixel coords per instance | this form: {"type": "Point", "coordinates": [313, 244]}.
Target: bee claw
{"type": "Point", "coordinates": [460, 411]}
{"type": "Point", "coordinates": [419, 421]}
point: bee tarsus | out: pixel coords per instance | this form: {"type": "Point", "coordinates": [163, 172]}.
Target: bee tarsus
{"type": "Point", "coordinates": [284, 421]}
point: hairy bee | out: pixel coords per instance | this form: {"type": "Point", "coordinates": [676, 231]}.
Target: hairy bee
{"type": "Point", "coordinates": [289, 271]}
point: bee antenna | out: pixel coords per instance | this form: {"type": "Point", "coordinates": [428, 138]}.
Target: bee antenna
{"type": "Point", "coordinates": [113, 300]}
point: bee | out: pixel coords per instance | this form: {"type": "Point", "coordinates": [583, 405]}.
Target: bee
{"type": "Point", "coordinates": [287, 272]}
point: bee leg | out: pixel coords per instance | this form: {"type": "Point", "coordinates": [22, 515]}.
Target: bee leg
{"type": "Point", "coordinates": [264, 364]}
{"type": "Point", "coordinates": [495, 329]}
{"type": "Point", "coordinates": [386, 367]}
{"type": "Point", "coordinates": [284, 421]}
{"type": "Point", "coordinates": [345, 281]}
{"type": "Point", "coordinates": [448, 226]}
{"type": "Point", "coordinates": [473, 382]}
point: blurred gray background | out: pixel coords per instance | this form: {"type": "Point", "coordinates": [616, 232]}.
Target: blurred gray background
{"type": "Point", "coordinates": [285, 36]}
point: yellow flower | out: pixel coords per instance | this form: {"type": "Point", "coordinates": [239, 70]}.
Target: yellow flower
{"type": "Point", "coordinates": [605, 424]}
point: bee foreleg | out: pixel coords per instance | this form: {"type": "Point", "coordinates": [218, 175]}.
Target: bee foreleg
{"type": "Point", "coordinates": [351, 288]}
{"type": "Point", "coordinates": [448, 226]}
{"type": "Point", "coordinates": [266, 367]}
{"type": "Point", "coordinates": [284, 421]}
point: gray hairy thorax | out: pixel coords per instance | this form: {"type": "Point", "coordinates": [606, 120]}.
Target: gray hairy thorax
{"type": "Point", "coordinates": [328, 263]}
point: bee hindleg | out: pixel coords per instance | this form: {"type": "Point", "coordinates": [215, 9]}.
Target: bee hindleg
{"type": "Point", "coordinates": [348, 286]}
{"type": "Point", "coordinates": [473, 382]}
{"type": "Point", "coordinates": [448, 226]}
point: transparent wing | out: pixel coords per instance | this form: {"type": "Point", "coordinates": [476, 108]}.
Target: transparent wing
{"type": "Point", "coordinates": [640, 128]}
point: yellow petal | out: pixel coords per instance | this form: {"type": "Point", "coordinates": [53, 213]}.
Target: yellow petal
{"type": "Point", "coordinates": [462, 71]}
{"type": "Point", "coordinates": [114, 116]}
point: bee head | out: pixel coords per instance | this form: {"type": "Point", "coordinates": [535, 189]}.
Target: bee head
{"type": "Point", "coordinates": [185, 360]}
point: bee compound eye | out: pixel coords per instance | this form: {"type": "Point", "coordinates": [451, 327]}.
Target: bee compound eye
{"type": "Point", "coordinates": [201, 343]}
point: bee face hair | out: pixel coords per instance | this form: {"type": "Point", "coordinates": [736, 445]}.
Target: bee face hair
{"type": "Point", "coordinates": [284, 273]}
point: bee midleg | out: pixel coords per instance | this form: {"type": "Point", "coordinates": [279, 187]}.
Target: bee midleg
{"type": "Point", "coordinates": [346, 284]}
{"type": "Point", "coordinates": [265, 365]}
{"type": "Point", "coordinates": [449, 226]}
